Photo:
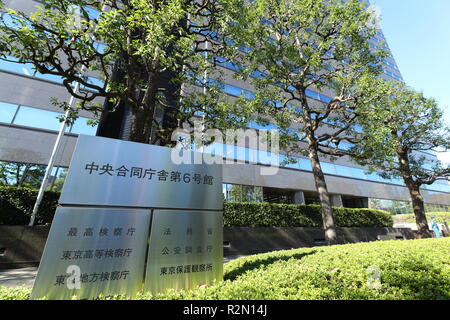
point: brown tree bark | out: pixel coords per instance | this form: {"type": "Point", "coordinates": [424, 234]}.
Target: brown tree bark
{"type": "Point", "coordinates": [324, 196]}
{"type": "Point", "coordinates": [416, 197]}
{"type": "Point", "coordinates": [419, 212]}
{"type": "Point", "coordinates": [143, 115]}
{"type": "Point", "coordinates": [141, 126]}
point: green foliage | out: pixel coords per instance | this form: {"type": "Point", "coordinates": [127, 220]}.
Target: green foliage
{"type": "Point", "coordinates": [16, 206]}
{"type": "Point", "coordinates": [20, 293]}
{"type": "Point", "coordinates": [300, 50]}
{"type": "Point", "coordinates": [396, 128]}
{"type": "Point", "coordinates": [439, 217]}
{"type": "Point", "coordinates": [301, 45]}
{"type": "Point", "coordinates": [396, 131]}
{"type": "Point", "coordinates": [409, 270]}
{"type": "Point", "coordinates": [146, 47]}
{"type": "Point", "coordinates": [289, 215]}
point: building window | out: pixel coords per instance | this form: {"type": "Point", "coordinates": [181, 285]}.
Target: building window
{"type": "Point", "coordinates": [404, 207]}
{"type": "Point", "coordinates": [7, 112]}
{"type": "Point", "coordinates": [29, 175]}
{"type": "Point", "coordinates": [43, 119]}
{"type": "Point", "coordinates": [29, 70]}
{"type": "Point", "coordinates": [273, 195]}
{"type": "Point", "coordinates": [242, 193]}
{"type": "Point", "coordinates": [81, 126]}
{"type": "Point", "coordinates": [37, 118]}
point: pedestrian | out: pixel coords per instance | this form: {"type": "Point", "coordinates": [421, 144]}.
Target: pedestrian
{"type": "Point", "coordinates": [435, 228]}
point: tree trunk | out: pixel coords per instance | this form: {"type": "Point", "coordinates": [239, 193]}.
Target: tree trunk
{"type": "Point", "coordinates": [141, 126]}
{"type": "Point", "coordinates": [324, 196]}
{"type": "Point", "coordinates": [419, 212]}
{"type": "Point", "coordinates": [416, 197]}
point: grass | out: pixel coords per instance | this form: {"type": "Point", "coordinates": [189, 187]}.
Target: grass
{"type": "Point", "coordinates": [413, 269]}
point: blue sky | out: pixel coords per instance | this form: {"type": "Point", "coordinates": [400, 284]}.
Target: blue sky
{"type": "Point", "coordinates": [418, 33]}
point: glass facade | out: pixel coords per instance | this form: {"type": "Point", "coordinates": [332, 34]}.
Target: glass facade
{"type": "Point", "coordinates": [393, 75]}
{"type": "Point", "coordinates": [37, 118]}
{"type": "Point", "coordinates": [263, 157]}
{"type": "Point", "coordinates": [404, 207]}
{"type": "Point", "coordinates": [30, 175]}
{"type": "Point", "coordinates": [42, 119]}
{"type": "Point", "coordinates": [28, 70]}
{"type": "Point", "coordinates": [242, 193]}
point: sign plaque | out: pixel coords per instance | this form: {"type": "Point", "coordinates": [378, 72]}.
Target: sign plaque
{"type": "Point", "coordinates": [186, 249]}
{"type": "Point", "coordinates": [131, 219]}
{"type": "Point", "coordinates": [93, 251]}
{"type": "Point", "coordinates": [113, 172]}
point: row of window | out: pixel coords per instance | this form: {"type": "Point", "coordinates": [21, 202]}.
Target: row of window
{"type": "Point", "coordinates": [26, 116]}
{"type": "Point", "coordinates": [92, 13]}
{"type": "Point", "coordinates": [378, 38]}
{"type": "Point", "coordinates": [267, 158]}
{"type": "Point", "coordinates": [28, 70]}
{"type": "Point", "coordinates": [247, 193]}
{"type": "Point", "coordinates": [390, 64]}
{"type": "Point", "coordinates": [31, 175]}
{"type": "Point", "coordinates": [237, 91]}
{"type": "Point", "coordinates": [404, 207]}
{"type": "Point", "coordinates": [393, 75]}
{"type": "Point", "coordinates": [242, 193]}
{"type": "Point", "coordinates": [39, 118]}
{"type": "Point", "coordinates": [11, 21]}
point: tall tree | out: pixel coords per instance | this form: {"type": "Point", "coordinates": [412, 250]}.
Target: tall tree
{"type": "Point", "coordinates": [297, 50]}
{"type": "Point", "coordinates": [398, 130]}
{"type": "Point", "coordinates": [139, 49]}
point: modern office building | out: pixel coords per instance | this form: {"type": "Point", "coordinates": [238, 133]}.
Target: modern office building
{"type": "Point", "coordinates": [29, 125]}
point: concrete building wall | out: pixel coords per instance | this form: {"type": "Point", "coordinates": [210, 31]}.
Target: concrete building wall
{"type": "Point", "coordinates": [30, 145]}
{"type": "Point", "coordinates": [32, 92]}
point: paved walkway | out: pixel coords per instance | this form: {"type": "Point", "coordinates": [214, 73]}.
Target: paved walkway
{"type": "Point", "coordinates": [18, 277]}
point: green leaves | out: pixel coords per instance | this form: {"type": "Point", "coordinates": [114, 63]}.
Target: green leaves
{"type": "Point", "coordinates": [406, 270]}
{"type": "Point", "coordinates": [140, 49]}
{"type": "Point", "coordinates": [306, 45]}
{"type": "Point", "coordinates": [397, 129]}
{"type": "Point", "coordinates": [17, 203]}
{"type": "Point", "coordinates": [288, 215]}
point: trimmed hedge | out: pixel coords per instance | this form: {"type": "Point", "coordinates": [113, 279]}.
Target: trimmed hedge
{"type": "Point", "coordinates": [16, 206]}
{"type": "Point", "coordinates": [409, 270]}
{"type": "Point", "coordinates": [290, 215]}
{"type": "Point", "coordinates": [440, 217]}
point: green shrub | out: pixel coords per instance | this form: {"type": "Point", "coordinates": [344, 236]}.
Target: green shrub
{"type": "Point", "coordinates": [20, 293]}
{"type": "Point", "coordinates": [288, 215]}
{"type": "Point", "coordinates": [409, 270]}
{"type": "Point", "coordinates": [16, 206]}
{"type": "Point", "coordinates": [439, 217]}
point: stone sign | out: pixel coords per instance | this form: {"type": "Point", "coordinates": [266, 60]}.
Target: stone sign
{"type": "Point", "coordinates": [130, 219]}
{"type": "Point", "coordinates": [92, 251]}
{"type": "Point", "coordinates": [186, 249]}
